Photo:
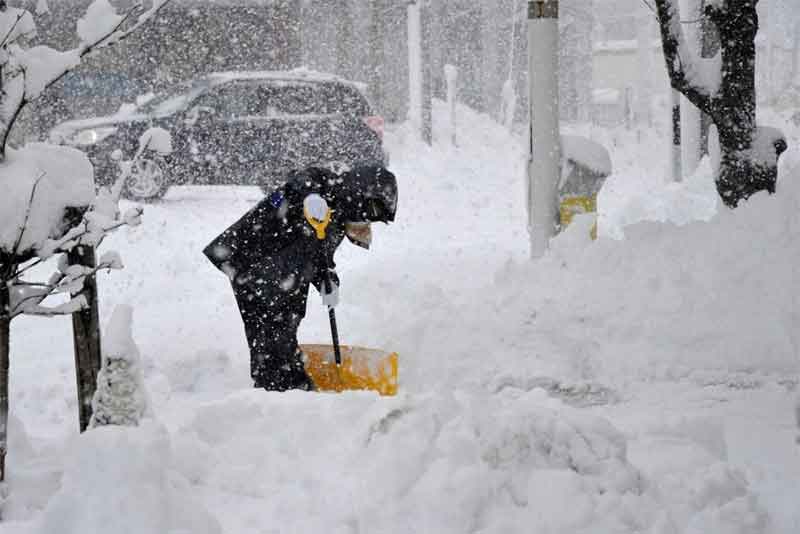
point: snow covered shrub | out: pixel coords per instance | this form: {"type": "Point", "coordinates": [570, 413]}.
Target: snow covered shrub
{"type": "Point", "coordinates": [120, 398]}
{"type": "Point", "coordinates": [48, 206]}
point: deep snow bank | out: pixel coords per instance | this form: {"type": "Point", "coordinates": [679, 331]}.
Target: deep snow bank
{"type": "Point", "coordinates": [721, 295]}
{"type": "Point", "coordinates": [451, 463]}
{"type": "Point", "coordinates": [472, 444]}
{"type": "Point", "coordinates": [703, 299]}
{"type": "Point", "coordinates": [121, 480]}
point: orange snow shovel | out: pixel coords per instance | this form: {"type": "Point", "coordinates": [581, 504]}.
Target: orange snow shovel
{"type": "Point", "coordinates": [360, 369]}
{"type": "Point", "coordinates": [337, 368]}
{"type": "Point", "coordinates": [343, 368]}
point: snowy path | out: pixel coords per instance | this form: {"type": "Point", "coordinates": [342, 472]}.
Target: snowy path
{"type": "Point", "coordinates": [471, 444]}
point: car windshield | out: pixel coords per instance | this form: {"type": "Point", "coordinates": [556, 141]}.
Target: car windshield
{"type": "Point", "coordinates": [175, 99]}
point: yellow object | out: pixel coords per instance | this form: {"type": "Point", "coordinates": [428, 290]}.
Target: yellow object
{"type": "Point", "coordinates": [571, 206]}
{"type": "Point", "coordinates": [319, 225]}
{"type": "Point", "coordinates": [361, 369]}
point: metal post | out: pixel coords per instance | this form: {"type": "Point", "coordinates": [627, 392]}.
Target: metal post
{"type": "Point", "coordinates": [544, 163]}
{"type": "Point", "coordinates": [415, 66]}
{"type": "Point", "coordinates": [676, 156]}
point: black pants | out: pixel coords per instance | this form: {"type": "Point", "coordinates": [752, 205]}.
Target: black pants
{"type": "Point", "coordinates": [271, 310]}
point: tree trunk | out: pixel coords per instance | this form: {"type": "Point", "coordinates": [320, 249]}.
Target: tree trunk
{"type": "Point", "coordinates": [5, 346]}
{"type": "Point", "coordinates": [86, 336]}
{"type": "Point", "coordinates": [733, 106]}
{"type": "Point", "coordinates": [734, 111]}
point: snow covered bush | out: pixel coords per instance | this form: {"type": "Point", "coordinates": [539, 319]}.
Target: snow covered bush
{"type": "Point", "coordinates": [120, 398]}
{"type": "Point", "coordinates": [48, 206]}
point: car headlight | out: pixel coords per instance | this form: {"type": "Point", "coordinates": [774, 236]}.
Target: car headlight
{"type": "Point", "coordinates": [90, 137]}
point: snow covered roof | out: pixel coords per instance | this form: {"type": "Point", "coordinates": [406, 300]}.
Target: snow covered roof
{"type": "Point", "coordinates": [623, 46]}
{"type": "Point", "coordinates": [587, 153]}
{"type": "Point", "coordinates": [299, 74]}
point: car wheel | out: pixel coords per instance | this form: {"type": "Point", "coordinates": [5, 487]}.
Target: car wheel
{"type": "Point", "coordinates": [147, 182]}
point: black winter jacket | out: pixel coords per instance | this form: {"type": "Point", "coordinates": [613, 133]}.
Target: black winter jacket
{"type": "Point", "coordinates": [274, 237]}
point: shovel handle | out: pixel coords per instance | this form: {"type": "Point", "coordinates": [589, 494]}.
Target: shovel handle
{"type": "Point", "coordinates": [332, 315]}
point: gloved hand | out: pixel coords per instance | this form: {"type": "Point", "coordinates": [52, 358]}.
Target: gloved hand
{"type": "Point", "coordinates": [330, 290]}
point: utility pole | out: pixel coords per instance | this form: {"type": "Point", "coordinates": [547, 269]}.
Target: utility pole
{"type": "Point", "coordinates": [377, 56]}
{"type": "Point", "coordinates": [419, 73]}
{"type": "Point", "coordinates": [544, 161]}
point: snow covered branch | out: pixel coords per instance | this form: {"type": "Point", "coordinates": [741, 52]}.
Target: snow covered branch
{"type": "Point", "coordinates": [696, 77]}
{"type": "Point", "coordinates": [27, 298]}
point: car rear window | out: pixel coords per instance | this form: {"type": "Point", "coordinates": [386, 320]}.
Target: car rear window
{"type": "Point", "coordinates": [294, 98]}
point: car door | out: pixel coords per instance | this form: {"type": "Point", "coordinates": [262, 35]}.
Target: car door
{"type": "Point", "coordinates": [235, 137]}
{"type": "Point", "coordinates": [216, 134]}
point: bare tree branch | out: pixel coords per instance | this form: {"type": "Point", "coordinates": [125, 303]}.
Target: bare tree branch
{"type": "Point", "coordinates": [5, 42]}
{"type": "Point", "coordinates": [66, 240]}
{"type": "Point", "coordinates": [18, 242]}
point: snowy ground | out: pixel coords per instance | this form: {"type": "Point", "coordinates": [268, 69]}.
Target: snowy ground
{"type": "Point", "coordinates": [636, 385]}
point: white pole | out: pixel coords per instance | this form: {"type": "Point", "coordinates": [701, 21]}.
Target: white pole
{"type": "Point", "coordinates": [643, 64]}
{"type": "Point", "coordinates": [415, 67]}
{"type": "Point", "coordinates": [451, 75]}
{"type": "Point", "coordinates": [691, 116]}
{"type": "Point", "coordinates": [544, 163]}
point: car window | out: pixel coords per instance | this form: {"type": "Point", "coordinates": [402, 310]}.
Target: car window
{"type": "Point", "coordinates": [175, 99]}
{"type": "Point", "coordinates": [298, 98]}
{"type": "Point", "coordinates": [233, 99]}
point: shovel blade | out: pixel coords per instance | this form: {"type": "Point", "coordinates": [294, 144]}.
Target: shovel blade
{"type": "Point", "coordinates": [361, 369]}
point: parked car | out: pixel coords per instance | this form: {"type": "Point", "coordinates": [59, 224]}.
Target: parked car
{"type": "Point", "coordinates": [247, 128]}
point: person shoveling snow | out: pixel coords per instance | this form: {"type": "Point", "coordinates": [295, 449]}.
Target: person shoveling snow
{"type": "Point", "coordinates": [286, 242]}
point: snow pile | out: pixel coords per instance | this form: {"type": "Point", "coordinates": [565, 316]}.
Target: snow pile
{"type": "Point", "coordinates": [120, 398]}
{"type": "Point", "coordinates": [474, 443]}
{"type": "Point", "coordinates": [98, 21]}
{"type": "Point", "coordinates": [513, 462]}
{"type": "Point", "coordinates": [44, 64]}
{"type": "Point", "coordinates": [55, 178]}
{"type": "Point", "coordinates": [686, 464]}
{"type": "Point", "coordinates": [120, 480]}
{"type": "Point", "coordinates": [590, 154]}
{"type": "Point", "coordinates": [667, 301]}
{"type": "Point", "coordinates": [156, 139]}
